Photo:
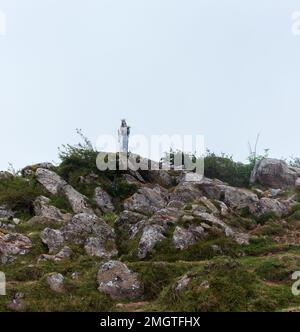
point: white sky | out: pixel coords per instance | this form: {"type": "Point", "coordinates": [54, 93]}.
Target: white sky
{"type": "Point", "coordinates": [226, 69]}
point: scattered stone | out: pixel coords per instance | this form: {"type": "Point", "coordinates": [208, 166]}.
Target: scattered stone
{"type": "Point", "coordinates": [17, 304]}
{"type": "Point", "coordinates": [50, 180]}
{"type": "Point", "coordinates": [64, 254]}
{"type": "Point", "coordinates": [182, 283]}
{"type": "Point", "coordinates": [115, 279]}
{"type": "Point", "coordinates": [204, 284]}
{"type": "Point", "coordinates": [175, 204]}
{"type": "Point", "coordinates": [56, 282]}
{"type": "Point", "coordinates": [129, 218]}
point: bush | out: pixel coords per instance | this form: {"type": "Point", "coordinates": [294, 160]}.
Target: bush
{"type": "Point", "coordinates": [225, 169]}
{"type": "Point", "coordinates": [19, 193]}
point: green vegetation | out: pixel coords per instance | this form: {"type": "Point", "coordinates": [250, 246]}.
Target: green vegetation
{"type": "Point", "coordinates": [19, 193]}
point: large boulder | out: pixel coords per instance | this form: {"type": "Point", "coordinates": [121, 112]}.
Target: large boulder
{"type": "Point", "coordinates": [103, 200]}
{"type": "Point", "coordinates": [53, 238]}
{"type": "Point", "coordinates": [267, 205]}
{"type": "Point", "coordinates": [238, 198]}
{"type": "Point", "coordinates": [50, 180]}
{"type": "Point", "coordinates": [14, 244]}
{"type": "Point", "coordinates": [151, 235]}
{"type": "Point", "coordinates": [115, 279]}
{"type": "Point", "coordinates": [274, 173]}
{"type": "Point", "coordinates": [147, 200]}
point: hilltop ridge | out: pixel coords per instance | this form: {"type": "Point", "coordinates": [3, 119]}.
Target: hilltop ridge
{"type": "Point", "coordinates": [76, 238]}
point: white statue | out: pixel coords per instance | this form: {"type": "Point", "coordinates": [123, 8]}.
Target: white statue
{"type": "Point", "coordinates": [123, 134]}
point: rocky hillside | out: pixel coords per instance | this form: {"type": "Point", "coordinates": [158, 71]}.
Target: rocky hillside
{"type": "Point", "coordinates": [73, 238]}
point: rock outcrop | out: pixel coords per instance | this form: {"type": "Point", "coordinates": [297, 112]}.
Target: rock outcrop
{"type": "Point", "coordinates": [56, 185]}
{"type": "Point", "coordinates": [147, 200]}
{"type": "Point", "coordinates": [87, 229]}
{"type": "Point", "coordinates": [275, 173]}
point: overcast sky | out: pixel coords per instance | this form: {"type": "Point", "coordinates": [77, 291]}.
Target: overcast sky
{"type": "Point", "coordinates": [227, 69]}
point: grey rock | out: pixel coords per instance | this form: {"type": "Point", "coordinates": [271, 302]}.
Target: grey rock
{"type": "Point", "coordinates": [117, 280]}
{"type": "Point", "coordinates": [182, 283]}
{"type": "Point", "coordinates": [53, 238]}
{"type": "Point", "coordinates": [50, 180]}
{"type": "Point", "coordinates": [56, 282]}
{"type": "Point", "coordinates": [147, 200]}
{"type": "Point", "coordinates": [275, 173]}
{"type": "Point", "coordinates": [64, 254]}
{"type": "Point", "coordinates": [240, 238]}
{"type": "Point", "coordinates": [266, 205]}
{"type": "Point", "coordinates": [186, 192]}
{"type": "Point", "coordinates": [103, 200]}
{"type": "Point", "coordinates": [56, 185]}
{"type": "Point", "coordinates": [96, 246]}
{"type": "Point", "coordinates": [14, 244]}
{"type": "Point", "coordinates": [17, 304]}
{"type": "Point", "coordinates": [183, 238]}
{"type": "Point", "coordinates": [151, 235]}
{"type": "Point", "coordinates": [5, 212]}
{"type": "Point", "coordinates": [42, 208]}
{"type": "Point", "coordinates": [127, 217]}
